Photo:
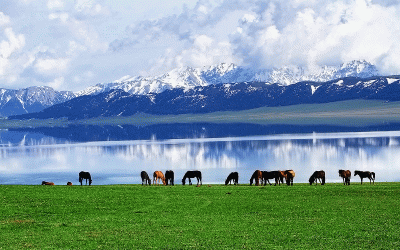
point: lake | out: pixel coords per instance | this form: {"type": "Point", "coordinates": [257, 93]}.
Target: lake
{"type": "Point", "coordinates": [117, 155]}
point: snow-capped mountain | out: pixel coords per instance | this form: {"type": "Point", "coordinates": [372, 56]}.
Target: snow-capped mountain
{"type": "Point", "coordinates": [222, 97]}
{"type": "Point", "coordinates": [35, 99]}
{"type": "Point", "coordinates": [188, 78]}
{"type": "Point", "coordinates": [32, 99]}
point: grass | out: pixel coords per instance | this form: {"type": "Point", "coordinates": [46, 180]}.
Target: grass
{"type": "Point", "coordinates": [219, 217]}
{"type": "Point", "coordinates": [351, 113]}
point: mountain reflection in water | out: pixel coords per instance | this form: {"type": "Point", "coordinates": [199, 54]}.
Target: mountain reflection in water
{"type": "Point", "coordinates": [59, 154]}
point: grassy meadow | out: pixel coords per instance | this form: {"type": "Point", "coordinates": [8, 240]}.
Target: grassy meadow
{"type": "Point", "coordinates": [219, 217]}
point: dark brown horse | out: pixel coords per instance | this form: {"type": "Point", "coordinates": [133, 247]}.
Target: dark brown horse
{"type": "Point", "coordinates": [69, 183]}
{"type": "Point", "coordinates": [47, 183]}
{"type": "Point", "coordinates": [365, 174]}
{"type": "Point", "coordinates": [346, 175]}
{"type": "Point", "coordinates": [192, 174]}
{"type": "Point", "coordinates": [157, 176]}
{"type": "Point", "coordinates": [234, 176]}
{"type": "Point", "coordinates": [289, 177]}
{"type": "Point", "coordinates": [169, 176]}
{"type": "Point", "coordinates": [317, 175]}
{"type": "Point", "coordinates": [267, 175]}
{"type": "Point", "coordinates": [145, 178]}
{"type": "Point", "coordinates": [257, 176]}
{"type": "Point", "coordinates": [85, 175]}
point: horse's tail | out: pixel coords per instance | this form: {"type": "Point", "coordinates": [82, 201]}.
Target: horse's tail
{"type": "Point", "coordinates": [323, 180]}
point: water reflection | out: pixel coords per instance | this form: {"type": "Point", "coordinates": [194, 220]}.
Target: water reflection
{"type": "Point", "coordinates": [118, 162]}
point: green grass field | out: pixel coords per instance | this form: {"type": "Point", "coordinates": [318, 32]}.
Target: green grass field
{"type": "Point", "coordinates": [218, 217]}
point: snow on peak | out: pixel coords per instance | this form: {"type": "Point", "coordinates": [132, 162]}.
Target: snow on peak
{"type": "Point", "coordinates": [187, 77]}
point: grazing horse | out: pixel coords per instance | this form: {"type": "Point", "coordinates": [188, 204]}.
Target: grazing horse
{"type": "Point", "coordinates": [317, 175]}
{"type": "Point", "coordinates": [234, 176]}
{"type": "Point", "coordinates": [346, 175]}
{"type": "Point", "coordinates": [47, 183]}
{"type": "Point", "coordinates": [169, 176]}
{"type": "Point", "coordinates": [69, 183]}
{"type": "Point", "coordinates": [85, 175]}
{"type": "Point", "coordinates": [365, 174]}
{"type": "Point", "coordinates": [157, 176]}
{"type": "Point", "coordinates": [257, 176]}
{"type": "Point", "coordinates": [266, 175]}
{"type": "Point", "coordinates": [289, 177]}
{"type": "Point", "coordinates": [192, 174]}
{"type": "Point", "coordinates": [145, 178]}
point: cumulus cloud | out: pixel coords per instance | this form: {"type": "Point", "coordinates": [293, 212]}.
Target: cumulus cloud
{"type": "Point", "coordinates": [272, 34]}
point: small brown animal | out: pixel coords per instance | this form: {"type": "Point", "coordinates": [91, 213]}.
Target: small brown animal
{"type": "Point", "coordinates": [157, 176]}
{"type": "Point", "coordinates": [69, 183]}
{"type": "Point", "coordinates": [47, 183]}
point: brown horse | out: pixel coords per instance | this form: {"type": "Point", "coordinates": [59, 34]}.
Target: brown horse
{"type": "Point", "coordinates": [346, 175]}
{"type": "Point", "coordinates": [289, 177]}
{"type": "Point", "coordinates": [145, 178]}
{"type": "Point", "coordinates": [47, 183]}
{"type": "Point", "coordinates": [257, 176]}
{"type": "Point", "coordinates": [192, 174]}
{"type": "Point", "coordinates": [157, 176]}
{"type": "Point", "coordinates": [234, 176]}
{"type": "Point", "coordinates": [85, 175]}
{"type": "Point", "coordinates": [169, 176]}
{"type": "Point", "coordinates": [69, 183]}
{"type": "Point", "coordinates": [365, 174]}
{"type": "Point", "coordinates": [317, 175]}
{"type": "Point", "coordinates": [266, 175]}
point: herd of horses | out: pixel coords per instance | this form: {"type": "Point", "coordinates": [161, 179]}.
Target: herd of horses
{"type": "Point", "coordinates": [258, 177]}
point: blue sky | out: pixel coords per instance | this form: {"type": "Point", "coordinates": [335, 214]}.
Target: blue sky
{"type": "Point", "coordinates": [70, 45]}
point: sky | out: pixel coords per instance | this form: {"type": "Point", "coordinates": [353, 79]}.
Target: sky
{"type": "Point", "coordinates": [74, 44]}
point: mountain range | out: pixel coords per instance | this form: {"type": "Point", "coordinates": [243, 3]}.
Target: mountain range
{"type": "Point", "coordinates": [180, 81]}
{"type": "Point", "coordinates": [222, 97]}
{"type": "Point", "coordinates": [35, 99]}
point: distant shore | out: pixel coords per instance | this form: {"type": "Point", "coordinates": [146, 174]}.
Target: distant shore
{"type": "Point", "coordinates": [357, 113]}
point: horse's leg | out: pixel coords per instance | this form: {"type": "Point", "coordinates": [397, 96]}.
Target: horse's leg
{"type": "Point", "coordinates": [190, 182]}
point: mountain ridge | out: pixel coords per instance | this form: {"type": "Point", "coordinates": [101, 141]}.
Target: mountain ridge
{"type": "Point", "coordinates": [222, 97]}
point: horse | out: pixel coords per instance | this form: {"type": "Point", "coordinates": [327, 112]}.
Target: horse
{"type": "Point", "coordinates": [169, 176]}
{"type": "Point", "coordinates": [317, 175]}
{"type": "Point", "coordinates": [47, 183]}
{"type": "Point", "coordinates": [69, 183]}
{"type": "Point", "coordinates": [145, 178]}
{"type": "Point", "coordinates": [192, 174]}
{"type": "Point", "coordinates": [289, 177]}
{"type": "Point", "coordinates": [85, 175]}
{"type": "Point", "coordinates": [266, 175]}
{"type": "Point", "coordinates": [257, 176]}
{"type": "Point", "coordinates": [365, 174]}
{"type": "Point", "coordinates": [157, 176]}
{"type": "Point", "coordinates": [234, 176]}
{"type": "Point", "coordinates": [346, 175]}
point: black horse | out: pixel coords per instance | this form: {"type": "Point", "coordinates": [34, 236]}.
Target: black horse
{"type": "Point", "coordinates": [192, 174]}
{"type": "Point", "coordinates": [145, 178]}
{"type": "Point", "coordinates": [169, 176]}
{"type": "Point", "coordinates": [365, 174]}
{"type": "Point", "coordinates": [267, 175]}
{"type": "Point", "coordinates": [234, 176]}
{"type": "Point", "coordinates": [85, 175]}
{"type": "Point", "coordinates": [317, 175]}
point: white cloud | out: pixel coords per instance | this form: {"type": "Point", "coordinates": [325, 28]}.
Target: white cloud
{"type": "Point", "coordinates": [4, 19]}
{"type": "Point", "coordinates": [108, 39]}
{"type": "Point", "coordinates": [50, 66]}
{"type": "Point", "coordinates": [55, 4]}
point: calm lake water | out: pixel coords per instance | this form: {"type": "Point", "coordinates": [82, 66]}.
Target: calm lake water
{"type": "Point", "coordinates": [117, 155]}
